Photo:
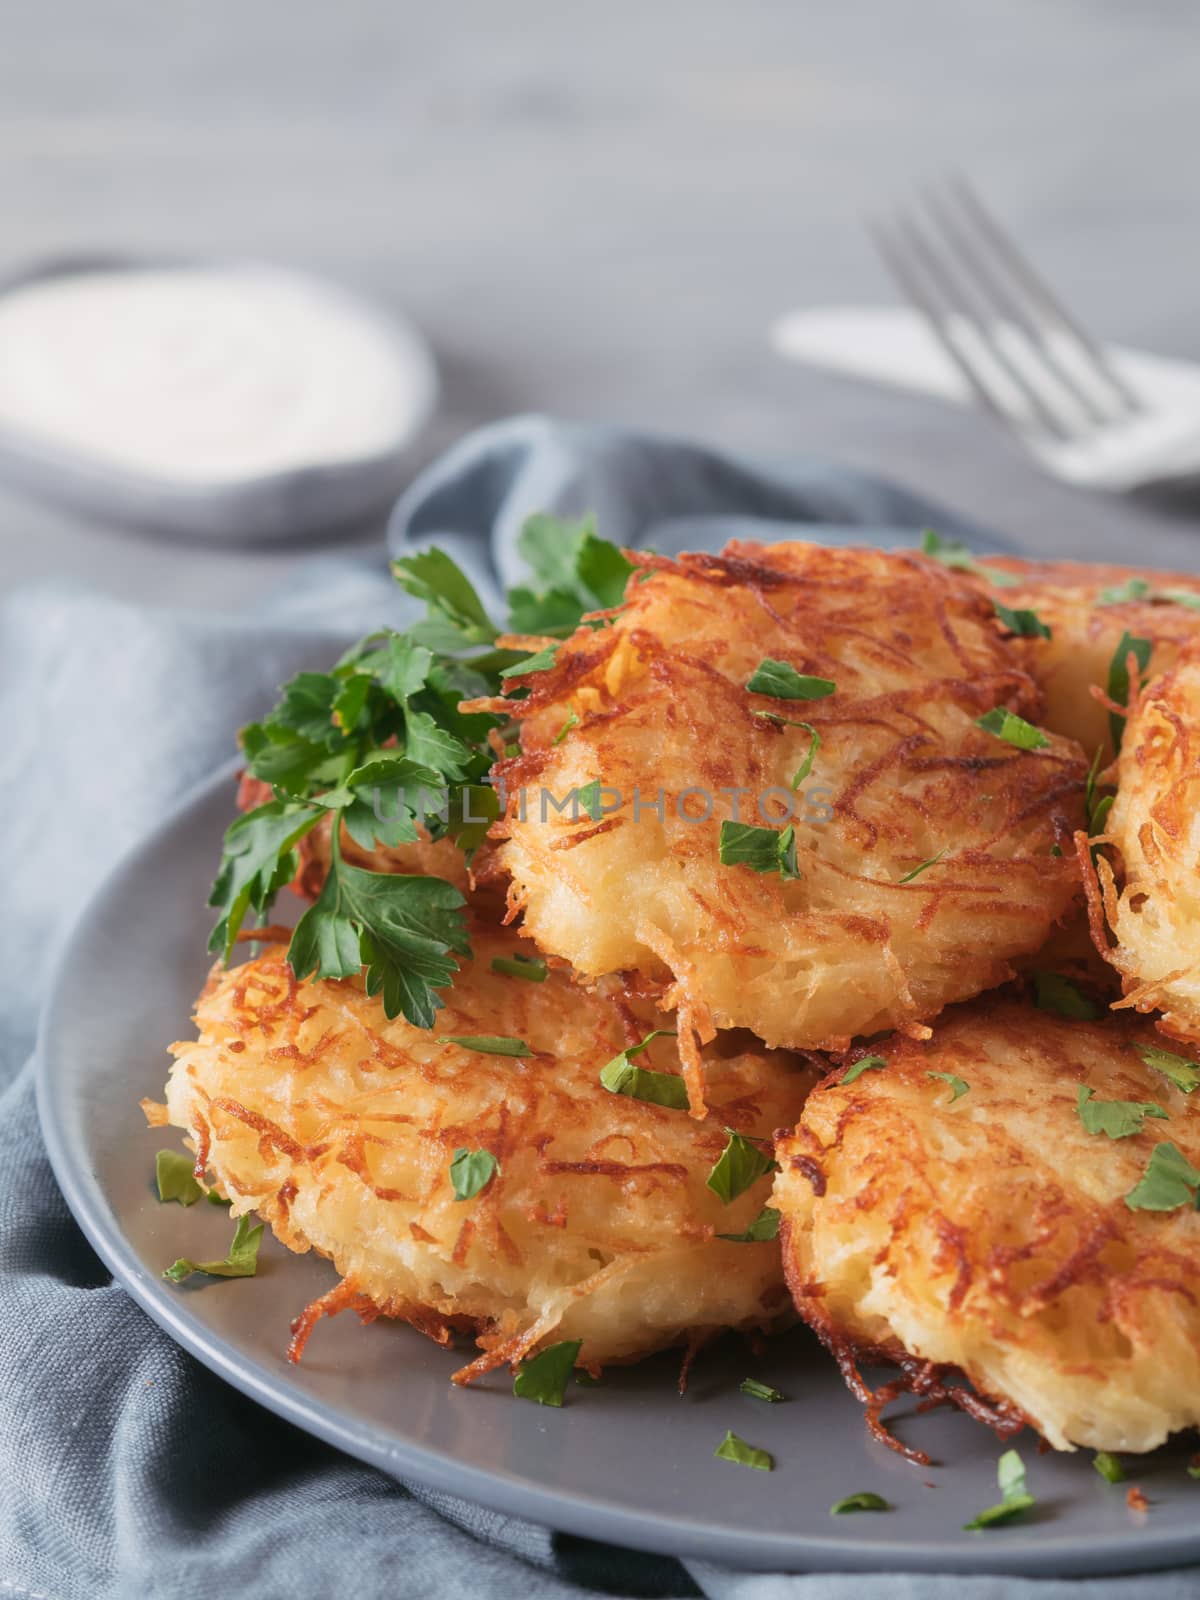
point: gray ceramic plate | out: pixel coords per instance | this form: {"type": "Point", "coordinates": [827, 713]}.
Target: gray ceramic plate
{"type": "Point", "coordinates": [630, 1461]}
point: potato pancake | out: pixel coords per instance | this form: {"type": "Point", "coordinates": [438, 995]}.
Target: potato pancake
{"type": "Point", "coordinates": [340, 1128]}
{"type": "Point", "coordinates": [953, 1210]}
{"type": "Point", "coordinates": [1154, 913]}
{"type": "Point", "coordinates": [926, 849]}
{"type": "Point", "coordinates": [1088, 608]}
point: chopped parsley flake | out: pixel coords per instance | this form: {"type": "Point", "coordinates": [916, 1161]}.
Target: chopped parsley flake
{"type": "Point", "coordinates": [1053, 993]}
{"type": "Point", "coordinates": [620, 1076]}
{"type": "Point", "coordinates": [958, 1086]}
{"type": "Point", "coordinates": [1184, 1074]}
{"type": "Point", "coordinates": [471, 1171]}
{"type": "Point", "coordinates": [544, 1377]}
{"type": "Point", "coordinates": [1132, 589]}
{"type": "Point", "coordinates": [783, 682]}
{"type": "Point", "coordinates": [765, 1226]}
{"type": "Point", "coordinates": [733, 1448]}
{"type": "Point", "coordinates": [1119, 1119]}
{"type": "Point", "coordinates": [1025, 624]}
{"type": "Point", "coordinates": [865, 1064]}
{"type": "Point", "coordinates": [241, 1261]}
{"type": "Point", "coordinates": [175, 1178]}
{"type": "Point", "coordinates": [864, 1500]}
{"type": "Point", "coordinates": [488, 1044]}
{"type": "Point", "coordinates": [917, 871]}
{"type": "Point", "coordinates": [953, 553]}
{"type": "Point", "coordinates": [1119, 685]}
{"type": "Point", "coordinates": [1014, 1497]}
{"type": "Point", "coordinates": [741, 844]}
{"type": "Point", "coordinates": [1014, 730]}
{"type": "Point", "coordinates": [1169, 1182]}
{"type": "Point", "coordinates": [761, 1391]}
{"type": "Point", "coordinates": [541, 661]}
{"type": "Point", "coordinates": [814, 744]}
{"type": "Point", "coordinates": [739, 1166]}
{"type": "Point", "coordinates": [532, 968]}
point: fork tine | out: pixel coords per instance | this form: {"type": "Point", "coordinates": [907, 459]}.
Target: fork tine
{"type": "Point", "coordinates": [1006, 308]}
{"type": "Point", "coordinates": [1001, 251]}
{"type": "Point", "coordinates": [946, 300]}
{"type": "Point", "coordinates": [909, 282]}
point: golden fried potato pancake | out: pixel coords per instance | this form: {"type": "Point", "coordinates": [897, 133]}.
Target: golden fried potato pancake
{"type": "Point", "coordinates": [339, 1127]}
{"type": "Point", "coordinates": [1079, 602]}
{"type": "Point", "coordinates": [874, 931]}
{"type": "Point", "coordinates": [1154, 914]}
{"type": "Point", "coordinates": [989, 1232]}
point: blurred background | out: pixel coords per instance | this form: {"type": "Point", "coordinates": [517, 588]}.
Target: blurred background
{"type": "Point", "coordinates": [599, 211]}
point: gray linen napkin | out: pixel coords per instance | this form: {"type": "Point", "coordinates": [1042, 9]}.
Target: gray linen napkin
{"type": "Point", "coordinates": [126, 1469]}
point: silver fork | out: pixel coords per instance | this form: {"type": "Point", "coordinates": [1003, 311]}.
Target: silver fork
{"type": "Point", "coordinates": [1027, 360]}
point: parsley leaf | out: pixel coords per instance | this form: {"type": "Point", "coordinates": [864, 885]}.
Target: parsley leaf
{"type": "Point", "coordinates": [739, 1166]}
{"type": "Point", "coordinates": [917, 871]}
{"type": "Point", "coordinates": [544, 1377]}
{"type": "Point", "coordinates": [953, 553]}
{"type": "Point", "coordinates": [741, 844]}
{"type": "Point", "coordinates": [1109, 1468]}
{"type": "Point", "coordinates": [783, 682]}
{"type": "Point", "coordinates": [958, 1086]}
{"type": "Point", "coordinates": [471, 1171]}
{"type": "Point", "coordinates": [241, 1262]}
{"type": "Point", "coordinates": [1119, 1119]}
{"type": "Point", "coordinates": [542, 661]}
{"type": "Point", "coordinates": [1052, 993]}
{"type": "Point", "coordinates": [572, 572]}
{"type": "Point", "coordinates": [456, 613]}
{"type": "Point", "coordinates": [1131, 589]}
{"type": "Point", "coordinates": [865, 1500]}
{"type": "Point", "coordinates": [733, 1448]}
{"type": "Point", "coordinates": [532, 968]}
{"type": "Point", "coordinates": [806, 766]}
{"type": "Point", "coordinates": [404, 930]}
{"type": "Point", "coordinates": [864, 1064]}
{"type": "Point", "coordinates": [1169, 1181]}
{"type": "Point", "coordinates": [571, 722]}
{"type": "Point", "coordinates": [1025, 624]}
{"type": "Point", "coordinates": [1118, 679]}
{"type": "Point", "coordinates": [489, 1044]}
{"type": "Point", "coordinates": [1014, 1497]}
{"type": "Point", "coordinates": [1012, 729]}
{"type": "Point", "coordinates": [761, 1391]}
{"type": "Point", "coordinates": [765, 1226]}
{"type": "Point", "coordinates": [1184, 1074]}
{"type": "Point", "coordinates": [258, 860]}
{"type": "Point", "coordinates": [620, 1076]}
{"type": "Point", "coordinates": [1096, 806]}
{"type": "Point", "coordinates": [175, 1178]}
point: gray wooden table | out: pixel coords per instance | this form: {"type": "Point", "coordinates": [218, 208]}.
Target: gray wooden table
{"type": "Point", "coordinates": [598, 211]}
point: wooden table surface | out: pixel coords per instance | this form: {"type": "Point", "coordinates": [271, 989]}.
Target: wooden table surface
{"type": "Point", "coordinates": [598, 211]}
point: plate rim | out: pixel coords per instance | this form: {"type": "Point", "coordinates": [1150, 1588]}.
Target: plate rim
{"type": "Point", "coordinates": [497, 1489]}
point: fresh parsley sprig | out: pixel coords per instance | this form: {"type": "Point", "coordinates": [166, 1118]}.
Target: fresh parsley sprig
{"type": "Point", "coordinates": [379, 747]}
